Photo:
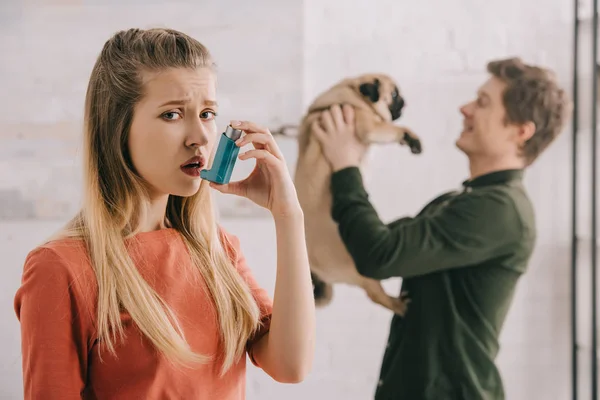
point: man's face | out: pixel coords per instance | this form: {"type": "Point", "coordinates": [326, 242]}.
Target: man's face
{"type": "Point", "coordinates": [485, 133]}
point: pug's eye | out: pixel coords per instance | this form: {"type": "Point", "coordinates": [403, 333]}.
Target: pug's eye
{"type": "Point", "coordinates": [394, 94]}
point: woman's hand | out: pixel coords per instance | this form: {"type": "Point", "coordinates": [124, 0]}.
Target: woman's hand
{"type": "Point", "coordinates": [269, 185]}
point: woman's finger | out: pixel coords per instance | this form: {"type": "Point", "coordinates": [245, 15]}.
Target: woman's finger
{"type": "Point", "coordinates": [249, 127]}
{"type": "Point", "coordinates": [260, 141]}
{"type": "Point", "coordinates": [260, 154]}
{"type": "Point", "coordinates": [236, 188]}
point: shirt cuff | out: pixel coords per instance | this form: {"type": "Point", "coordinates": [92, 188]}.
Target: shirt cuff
{"type": "Point", "coordinates": [347, 180]}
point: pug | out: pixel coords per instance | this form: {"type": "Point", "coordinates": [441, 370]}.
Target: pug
{"type": "Point", "coordinates": [377, 103]}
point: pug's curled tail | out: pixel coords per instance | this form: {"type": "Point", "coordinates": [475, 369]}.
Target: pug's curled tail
{"type": "Point", "coordinates": [286, 130]}
{"type": "Point", "coordinates": [322, 291]}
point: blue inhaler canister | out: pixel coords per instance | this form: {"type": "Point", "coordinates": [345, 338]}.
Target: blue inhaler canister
{"type": "Point", "coordinates": [225, 157]}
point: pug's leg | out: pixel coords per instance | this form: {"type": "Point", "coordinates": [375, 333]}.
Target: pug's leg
{"type": "Point", "coordinates": [378, 295]}
{"type": "Point", "coordinates": [388, 133]}
{"type": "Point", "coordinates": [383, 133]}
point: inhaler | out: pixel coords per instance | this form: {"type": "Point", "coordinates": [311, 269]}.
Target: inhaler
{"type": "Point", "coordinates": [225, 157]}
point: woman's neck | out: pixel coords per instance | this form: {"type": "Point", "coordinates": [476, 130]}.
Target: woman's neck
{"type": "Point", "coordinates": [153, 217]}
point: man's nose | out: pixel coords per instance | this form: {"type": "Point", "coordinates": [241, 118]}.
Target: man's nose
{"type": "Point", "coordinates": [467, 109]}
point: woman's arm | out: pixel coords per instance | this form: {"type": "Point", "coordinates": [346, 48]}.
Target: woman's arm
{"type": "Point", "coordinates": [286, 351]}
{"type": "Point", "coordinates": [56, 328]}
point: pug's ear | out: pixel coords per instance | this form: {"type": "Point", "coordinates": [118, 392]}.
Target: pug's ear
{"type": "Point", "coordinates": [370, 90]}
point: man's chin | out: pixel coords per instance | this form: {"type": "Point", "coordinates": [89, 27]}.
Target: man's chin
{"type": "Point", "coordinates": [461, 142]}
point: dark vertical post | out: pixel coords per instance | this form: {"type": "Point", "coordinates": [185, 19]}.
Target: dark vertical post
{"type": "Point", "coordinates": [594, 240]}
{"type": "Point", "coordinates": [574, 246]}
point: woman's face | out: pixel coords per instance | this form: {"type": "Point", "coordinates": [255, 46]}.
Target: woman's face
{"type": "Point", "coordinates": [173, 130]}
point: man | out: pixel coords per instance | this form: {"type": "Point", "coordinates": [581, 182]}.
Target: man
{"type": "Point", "coordinates": [461, 257]}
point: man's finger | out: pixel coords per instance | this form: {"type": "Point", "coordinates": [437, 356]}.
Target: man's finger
{"type": "Point", "coordinates": [348, 112]}
{"type": "Point", "coordinates": [318, 132]}
{"type": "Point", "coordinates": [327, 121]}
{"type": "Point", "coordinates": [338, 116]}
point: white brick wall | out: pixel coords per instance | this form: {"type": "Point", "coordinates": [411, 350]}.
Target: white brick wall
{"type": "Point", "coordinates": [274, 58]}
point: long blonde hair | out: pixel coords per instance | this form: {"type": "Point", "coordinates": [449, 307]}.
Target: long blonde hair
{"type": "Point", "coordinates": [113, 201]}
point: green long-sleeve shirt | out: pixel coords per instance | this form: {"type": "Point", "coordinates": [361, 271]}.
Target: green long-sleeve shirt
{"type": "Point", "coordinates": [460, 259]}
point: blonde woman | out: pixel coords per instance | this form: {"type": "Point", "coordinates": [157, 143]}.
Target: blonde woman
{"type": "Point", "coordinates": [144, 295]}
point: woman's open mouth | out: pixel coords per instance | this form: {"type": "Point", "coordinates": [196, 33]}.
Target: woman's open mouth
{"type": "Point", "coordinates": [193, 166]}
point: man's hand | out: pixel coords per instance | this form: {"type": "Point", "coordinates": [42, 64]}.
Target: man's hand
{"type": "Point", "coordinates": [335, 130]}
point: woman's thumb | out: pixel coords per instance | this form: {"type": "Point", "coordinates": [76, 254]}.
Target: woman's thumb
{"type": "Point", "coordinates": [229, 188]}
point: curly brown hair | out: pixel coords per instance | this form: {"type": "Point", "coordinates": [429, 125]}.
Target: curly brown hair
{"type": "Point", "coordinates": [532, 94]}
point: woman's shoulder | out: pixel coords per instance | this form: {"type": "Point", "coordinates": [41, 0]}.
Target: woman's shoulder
{"type": "Point", "coordinates": [57, 283]}
{"type": "Point", "coordinates": [60, 260]}
{"type": "Point", "coordinates": [62, 250]}
{"type": "Point", "coordinates": [231, 242]}
{"type": "Point", "coordinates": [225, 234]}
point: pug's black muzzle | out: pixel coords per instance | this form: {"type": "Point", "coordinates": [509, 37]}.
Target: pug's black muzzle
{"type": "Point", "coordinates": [396, 107]}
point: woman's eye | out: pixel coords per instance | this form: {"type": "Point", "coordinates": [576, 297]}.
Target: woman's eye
{"type": "Point", "coordinates": [208, 114]}
{"type": "Point", "coordinates": [171, 115]}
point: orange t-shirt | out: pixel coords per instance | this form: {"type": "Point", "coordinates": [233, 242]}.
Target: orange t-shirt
{"type": "Point", "coordinates": [56, 306]}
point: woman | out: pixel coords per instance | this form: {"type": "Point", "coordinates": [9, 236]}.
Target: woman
{"type": "Point", "coordinates": [144, 295]}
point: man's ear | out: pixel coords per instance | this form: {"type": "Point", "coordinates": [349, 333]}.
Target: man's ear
{"type": "Point", "coordinates": [370, 90]}
{"type": "Point", "coordinates": [526, 131]}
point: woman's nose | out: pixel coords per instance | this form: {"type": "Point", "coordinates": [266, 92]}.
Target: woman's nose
{"type": "Point", "coordinates": [197, 136]}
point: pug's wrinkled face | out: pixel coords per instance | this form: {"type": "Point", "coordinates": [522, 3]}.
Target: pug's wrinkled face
{"type": "Point", "coordinates": [382, 91]}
